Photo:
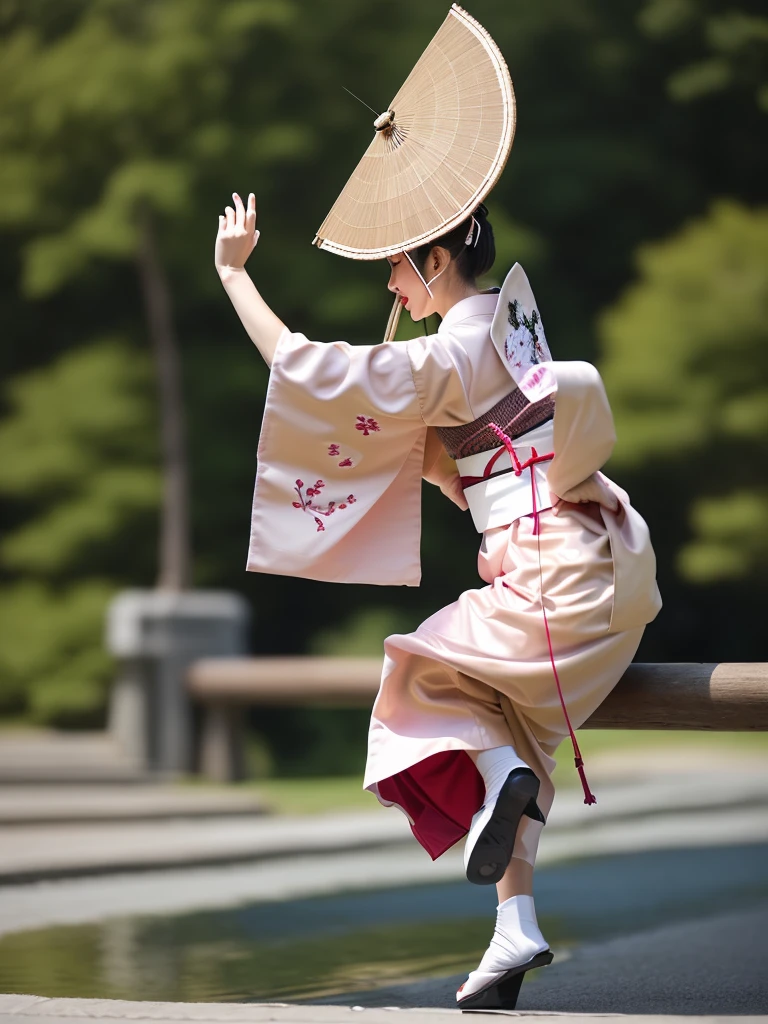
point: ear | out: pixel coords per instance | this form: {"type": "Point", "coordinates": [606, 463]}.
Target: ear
{"type": "Point", "coordinates": [439, 257]}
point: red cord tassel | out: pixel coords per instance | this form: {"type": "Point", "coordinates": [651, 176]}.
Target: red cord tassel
{"type": "Point", "coordinates": [589, 797]}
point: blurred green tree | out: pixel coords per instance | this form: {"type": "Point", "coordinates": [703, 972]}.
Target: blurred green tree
{"type": "Point", "coordinates": [112, 110]}
{"type": "Point", "coordinates": [111, 115]}
{"type": "Point", "coordinates": [78, 459]}
{"type": "Point", "coordinates": [723, 46]}
{"type": "Point", "coordinates": [686, 365]}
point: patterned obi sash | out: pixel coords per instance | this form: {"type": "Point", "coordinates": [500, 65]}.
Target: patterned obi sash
{"type": "Point", "coordinates": [508, 482]}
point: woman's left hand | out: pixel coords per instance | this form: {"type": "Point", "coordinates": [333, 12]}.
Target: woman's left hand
{"type": "Point", "coordinates": [591, 489]}
{"type": "Point", "coordinates": [237, 235]}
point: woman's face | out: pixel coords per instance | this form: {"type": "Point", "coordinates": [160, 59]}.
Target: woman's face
{"type": "Point", "coordinates": [406, 284]}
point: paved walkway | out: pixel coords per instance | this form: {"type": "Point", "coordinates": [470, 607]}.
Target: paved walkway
{"type": "Point", "coordinates": [71, 831]}
{"type": "Point", "coordinates": [74, 872]}
{"type": "Point", "coordinates": [63, 834]}
{"type": "Point", "coordinates": [33, 804]}
{"type": "Point", "coordinates": [49, 756]}
{"type": "Point", "coordinates": [34, 1010]}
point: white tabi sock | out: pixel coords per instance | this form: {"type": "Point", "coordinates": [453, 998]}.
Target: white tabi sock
{"type": "Point", "coordinates": [495, 765]}
{"type": "Point", "coordinates": [516, 940]}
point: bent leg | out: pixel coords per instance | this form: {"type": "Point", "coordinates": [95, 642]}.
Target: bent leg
{"type": "Point", "coordinates": [517, 941]}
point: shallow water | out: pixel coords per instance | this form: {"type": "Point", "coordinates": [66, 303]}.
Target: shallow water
{"type": "Point", "coordinates": [334, 945]}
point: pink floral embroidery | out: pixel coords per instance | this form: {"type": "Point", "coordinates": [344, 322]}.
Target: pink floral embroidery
{"type": "Point", "coordinates": [367, 424]}
{"type": "Point", "coordinates": [334, 450]}
{"type": "Point", "coordinates": [315, 510]}
{"type": "Point", "coordinates": [536, 377]}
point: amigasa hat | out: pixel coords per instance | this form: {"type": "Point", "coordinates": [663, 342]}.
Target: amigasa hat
{"type": "Point", "coordinates": [437, 152]}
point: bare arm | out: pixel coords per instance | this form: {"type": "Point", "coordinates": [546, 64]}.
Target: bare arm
{"type": "Point", "coordinates": [235, 242]}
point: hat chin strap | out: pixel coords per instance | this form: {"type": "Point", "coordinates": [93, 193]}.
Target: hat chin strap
{"type": "Point", "coordinates": [431, 280]}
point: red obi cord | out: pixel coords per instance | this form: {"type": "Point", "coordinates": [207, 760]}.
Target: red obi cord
{"type": "Point", "coordinates": [442, 792]}
{"type": "Point", "coordinates": [578, 760]}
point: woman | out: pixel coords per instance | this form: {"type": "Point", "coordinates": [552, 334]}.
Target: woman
{"type": "Point", "coordinates": [474, 703]}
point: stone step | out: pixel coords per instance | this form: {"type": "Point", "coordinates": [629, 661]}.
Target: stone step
{"type": "Point", "coordinates": [51, 757]}
{"type": "Point", "coordinates": [31, 804]}
{"type": "Point", "coordinates": [33, 852]}
{"type": "Point", "coordinates": [629, 816]}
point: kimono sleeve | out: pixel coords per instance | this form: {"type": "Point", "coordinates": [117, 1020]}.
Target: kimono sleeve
{"type": "Point", "coordinates": [453, 368]}
{"type": "Point", "coordinates": [338, 482]}
{"type": "Point", "coordinates": [584, 434]}
{"type": "Point", "coordinates": [584, 437]}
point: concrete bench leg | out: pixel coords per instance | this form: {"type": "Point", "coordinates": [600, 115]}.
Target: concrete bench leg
{"type": "Point", "coordinates": [222, 747]}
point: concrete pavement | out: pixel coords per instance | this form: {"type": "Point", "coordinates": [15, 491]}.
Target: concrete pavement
{"type": "Point", "coordinates": [36, 1010]}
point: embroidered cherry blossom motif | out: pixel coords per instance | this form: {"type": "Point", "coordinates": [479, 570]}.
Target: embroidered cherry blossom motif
{"type": "Point", "coordinates": [334, 450]}
{"type": "Point", "coordinates": [525, 343]}
{"type": "Point", "coordinates": [367, 424]}
{"type": "Point", "coordinates": [315, 510]}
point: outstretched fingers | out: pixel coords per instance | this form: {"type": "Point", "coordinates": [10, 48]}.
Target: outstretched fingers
{"type": "Point", "coordinates": [239, 211]}
{"type": "Point", "coordinates": [241, 218]}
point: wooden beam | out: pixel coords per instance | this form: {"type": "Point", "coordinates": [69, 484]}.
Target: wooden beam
{"type": "Point", "coordinates": [676, 696]}
{"type": "Point", "coordinates": [286, 680]}
{"type": "Point", "coordinates": [687, 695]}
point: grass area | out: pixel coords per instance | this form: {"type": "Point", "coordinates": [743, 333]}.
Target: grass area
{"type": "Point", "coordinates": [597, 742]}
{"type": "Point", "coordinates": [345, 793]}
{"type": "Point", "coordinates": [314, 796]}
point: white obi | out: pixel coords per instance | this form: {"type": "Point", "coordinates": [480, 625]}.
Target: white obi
{"type": "Point", "coordinates": [497, 491]}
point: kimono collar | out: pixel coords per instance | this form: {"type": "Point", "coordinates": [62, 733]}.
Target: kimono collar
{"type": "Point", "coordinates": [483, 304]}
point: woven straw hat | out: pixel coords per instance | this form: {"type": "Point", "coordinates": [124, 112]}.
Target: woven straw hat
{"type": "Point", "coordinates": [438, 150]}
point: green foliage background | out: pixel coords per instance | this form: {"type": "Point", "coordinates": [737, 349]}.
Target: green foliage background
{"type": "Point", "coordinates": [634, 197]}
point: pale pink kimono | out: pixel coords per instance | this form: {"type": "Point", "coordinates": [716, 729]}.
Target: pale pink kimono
{"type": "Point", "coordinates": [338, 498]}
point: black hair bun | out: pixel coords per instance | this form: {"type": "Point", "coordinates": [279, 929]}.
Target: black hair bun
{"type": "Point", "coordinates": [472, 260]}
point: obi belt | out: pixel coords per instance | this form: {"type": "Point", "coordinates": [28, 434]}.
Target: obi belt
{"type": "Point", "coordinates": [510, 481]}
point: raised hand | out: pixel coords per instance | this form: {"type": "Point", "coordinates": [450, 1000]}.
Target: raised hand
{"type": "Point", "coordinates": [237, 235]}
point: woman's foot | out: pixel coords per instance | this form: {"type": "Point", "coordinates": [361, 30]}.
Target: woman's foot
{"type": "Point", "coordinates": [517, 946]}
{"type": "Point", "coordinates": [491, 837]}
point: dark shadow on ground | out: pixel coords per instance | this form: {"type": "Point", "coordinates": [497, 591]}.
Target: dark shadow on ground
{"type": "Point", "coordinates": [712, 966]}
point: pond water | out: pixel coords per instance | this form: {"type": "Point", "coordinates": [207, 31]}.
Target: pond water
{"type": "Point", "coordinates": [331, 946]}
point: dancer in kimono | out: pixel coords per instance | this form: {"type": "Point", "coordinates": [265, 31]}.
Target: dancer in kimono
{"type": "Point", "coordinates": [472, 705]}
